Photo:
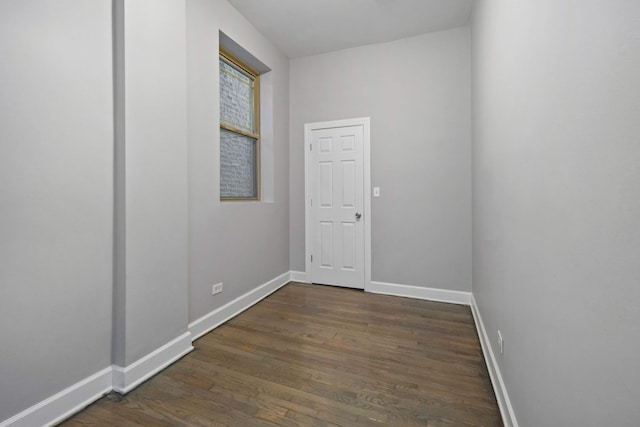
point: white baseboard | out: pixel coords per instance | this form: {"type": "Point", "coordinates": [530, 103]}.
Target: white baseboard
{"type": "Point", "coordinates": [504, 403]}
{"type": "Point", "coordinates": [129, 377]}
{"type": "Point", "coordinates": [220, 315]}
{"type": "Point", "coordinates": [64, 403]}
{"type": "Point", "coordinates": [299, 276]}
{"type": "Point", "coordinates": [124, 379]}
{"type": "Point", "coordinates": [418, 292]}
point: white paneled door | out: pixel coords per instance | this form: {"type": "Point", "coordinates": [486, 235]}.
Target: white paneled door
{"type": "Point", "coordinates": [336, 203]}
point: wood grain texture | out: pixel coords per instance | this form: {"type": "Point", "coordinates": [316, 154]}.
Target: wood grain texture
{"type": "Point", "coordinates": [312, 355]}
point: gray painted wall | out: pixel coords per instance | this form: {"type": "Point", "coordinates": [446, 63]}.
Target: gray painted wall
{"type": "Point", "coordinates": [242, 244]}
{"type": "Point", "coordinates": [57, 185]}
{"type": "Point", "coordinates": [417, 93]}
{"type": "Point", "coordinates": [556, 206]}
{"type": "Point", "coordinates": [56, 190]}
{"type": "Point", "coordinates": [556, 178]}
{"type": "Point", "coordinates": [153, 294]}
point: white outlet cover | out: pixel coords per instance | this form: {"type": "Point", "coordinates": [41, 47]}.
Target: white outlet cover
{"type": "Point", "coordinates": [376, 191]}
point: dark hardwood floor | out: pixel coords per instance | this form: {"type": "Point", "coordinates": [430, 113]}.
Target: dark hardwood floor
{"type": "Point", "coordinates": [312, 355]}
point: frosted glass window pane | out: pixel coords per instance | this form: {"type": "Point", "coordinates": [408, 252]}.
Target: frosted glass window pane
{"type": "Point", "coordinates": [238, 174]}
{"type": "Point", "coordinates": [236, 98]}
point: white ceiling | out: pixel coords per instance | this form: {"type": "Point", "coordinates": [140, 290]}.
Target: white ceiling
{"type": "Point", "coordinates": [308, 27]}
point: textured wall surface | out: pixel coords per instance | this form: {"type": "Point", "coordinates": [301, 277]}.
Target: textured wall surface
{"type": "Point", "coordinates": [237, 165]}
{"type": "Point", "coordinates": [236, 98]}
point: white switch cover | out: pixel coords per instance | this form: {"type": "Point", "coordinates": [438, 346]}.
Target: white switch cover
{"type": "Point", "coordinates": [376, 191]}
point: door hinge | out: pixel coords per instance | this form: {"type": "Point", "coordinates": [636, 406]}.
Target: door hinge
{"type": "Point", "coordinates": [310, 147]}
{"type": "Point", "coordinates": [311, 258]}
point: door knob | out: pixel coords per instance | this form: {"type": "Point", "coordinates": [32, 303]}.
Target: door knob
{"type": "Point", "coordinates": [358, 215]}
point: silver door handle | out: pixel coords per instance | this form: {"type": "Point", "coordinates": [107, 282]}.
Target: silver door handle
{"type": "Point", "coordinates": [358, 215]}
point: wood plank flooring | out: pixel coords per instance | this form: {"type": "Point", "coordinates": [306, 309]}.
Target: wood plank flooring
{"type": "Point", "coordinates": [312, 355]}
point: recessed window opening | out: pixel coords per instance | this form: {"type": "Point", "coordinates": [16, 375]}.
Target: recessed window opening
{"type": "Point", "coordinates": [239, 129]}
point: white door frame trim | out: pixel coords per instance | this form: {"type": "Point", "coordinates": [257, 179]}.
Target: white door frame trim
{"type": "Point", "coordinates": [365, 122]}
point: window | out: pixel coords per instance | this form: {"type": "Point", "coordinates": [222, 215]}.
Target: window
{"type": "Point", "coordinates": [239, 130]}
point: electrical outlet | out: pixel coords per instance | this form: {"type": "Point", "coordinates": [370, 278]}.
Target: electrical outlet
{"type": "Point", "coordinates": [216, 289]}
{"type": "Point", "coordinates": [500, 342]}
{"type": "Point", "coordinates": [376, 191]}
